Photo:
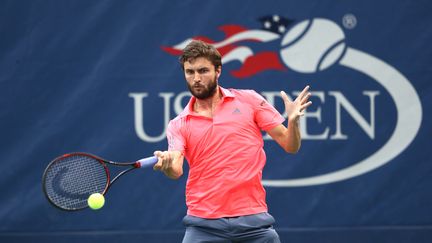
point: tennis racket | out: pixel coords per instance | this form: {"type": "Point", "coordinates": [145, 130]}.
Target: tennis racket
{"type": "Point", "coordinates": [70, 179]}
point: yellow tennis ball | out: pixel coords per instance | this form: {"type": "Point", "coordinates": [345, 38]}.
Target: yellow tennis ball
{"type": "Point", "coordinates": [96, 201]}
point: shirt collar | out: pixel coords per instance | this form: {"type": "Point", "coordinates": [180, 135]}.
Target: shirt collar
{"type": "Point", "coordinates": [226, 93]}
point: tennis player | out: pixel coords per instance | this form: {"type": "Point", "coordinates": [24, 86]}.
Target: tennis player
{"type": "Point", "coordinates": [219, 134]}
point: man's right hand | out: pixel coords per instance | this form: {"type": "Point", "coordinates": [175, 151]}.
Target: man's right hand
{"type": "Point", "coordinates": [170, 163]}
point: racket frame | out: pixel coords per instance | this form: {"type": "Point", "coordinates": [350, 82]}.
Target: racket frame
{"type": "Point", "coordinates": [103, 162]}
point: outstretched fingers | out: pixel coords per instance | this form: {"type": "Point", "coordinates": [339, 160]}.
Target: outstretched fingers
{"type": "Point", "coordinates": [304, 93]}
{"type": "Point", "coordinates": [296, 108]}
{"type": "Point", "coordinates": [304, 106]}
{"type": "Point", "coordinates": [285, 97]}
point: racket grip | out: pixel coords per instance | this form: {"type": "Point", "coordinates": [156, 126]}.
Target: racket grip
{"type": "Point", "coordinates": [149, 161]}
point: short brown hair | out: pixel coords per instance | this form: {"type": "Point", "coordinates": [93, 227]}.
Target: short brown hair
{"type": "Point", "coordinates": [196, 49]}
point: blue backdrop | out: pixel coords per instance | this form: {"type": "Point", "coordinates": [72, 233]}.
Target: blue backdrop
{"type": "Point", "coordinates": [103, 77]}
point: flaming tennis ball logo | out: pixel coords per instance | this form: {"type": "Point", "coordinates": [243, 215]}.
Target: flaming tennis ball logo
{"type": "Point", "coordinates": [96, 201]}
{"type": "Point", "coordinates": [312, 45]}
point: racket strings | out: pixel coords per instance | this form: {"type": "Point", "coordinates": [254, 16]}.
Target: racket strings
{"type": "Point", "coordinates": [70, 180]}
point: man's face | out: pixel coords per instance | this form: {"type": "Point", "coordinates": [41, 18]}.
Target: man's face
{"type": "Point", "coordinates": [201, 77]}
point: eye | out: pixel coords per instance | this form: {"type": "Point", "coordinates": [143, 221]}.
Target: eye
{"type": "Point", "coordinates": [203, 70]}
{"type": "Point", "coordinates": [189, 72]}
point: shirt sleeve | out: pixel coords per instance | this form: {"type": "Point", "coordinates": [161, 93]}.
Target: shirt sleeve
{"type": "Point", "coordinates": [176, 141]}
{"type": "Point", "coordinates": [266, 116]}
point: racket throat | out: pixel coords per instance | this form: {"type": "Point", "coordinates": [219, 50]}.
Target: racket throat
{"type": "Point", "coordinates": [120, 174]}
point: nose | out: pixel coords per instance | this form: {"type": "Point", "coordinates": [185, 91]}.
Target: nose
{"type": "Point", "coordinates": [197, 77]}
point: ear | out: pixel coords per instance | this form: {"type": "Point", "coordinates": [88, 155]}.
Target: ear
{"type": "Point", "coordinates": [218, 71]}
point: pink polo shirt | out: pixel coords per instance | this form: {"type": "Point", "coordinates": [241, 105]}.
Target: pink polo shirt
{"type": "Point", "coordinates": [225, 154]}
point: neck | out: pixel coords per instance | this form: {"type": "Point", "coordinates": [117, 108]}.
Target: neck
{"type": "Point", "coordinates": [208, 104]}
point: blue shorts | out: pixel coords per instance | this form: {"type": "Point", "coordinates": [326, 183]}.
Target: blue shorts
{"type": "Point", "coordinates": [256, 228]}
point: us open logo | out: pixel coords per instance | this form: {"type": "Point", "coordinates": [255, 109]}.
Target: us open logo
{"type": "Point", "coordinates": [310, 47]}
{"type": "Point", "coordinates": [315, 45]}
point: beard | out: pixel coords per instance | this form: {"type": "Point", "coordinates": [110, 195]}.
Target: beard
{"type": "Point", "coordinates": [202, 92]}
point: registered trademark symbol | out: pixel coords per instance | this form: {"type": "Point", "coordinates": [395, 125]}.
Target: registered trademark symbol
{"type": "Point", "coordinates": [349, 21]}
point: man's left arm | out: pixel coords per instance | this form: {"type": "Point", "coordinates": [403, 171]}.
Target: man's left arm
{"type": "Point", "coordinates": [289, 137]}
